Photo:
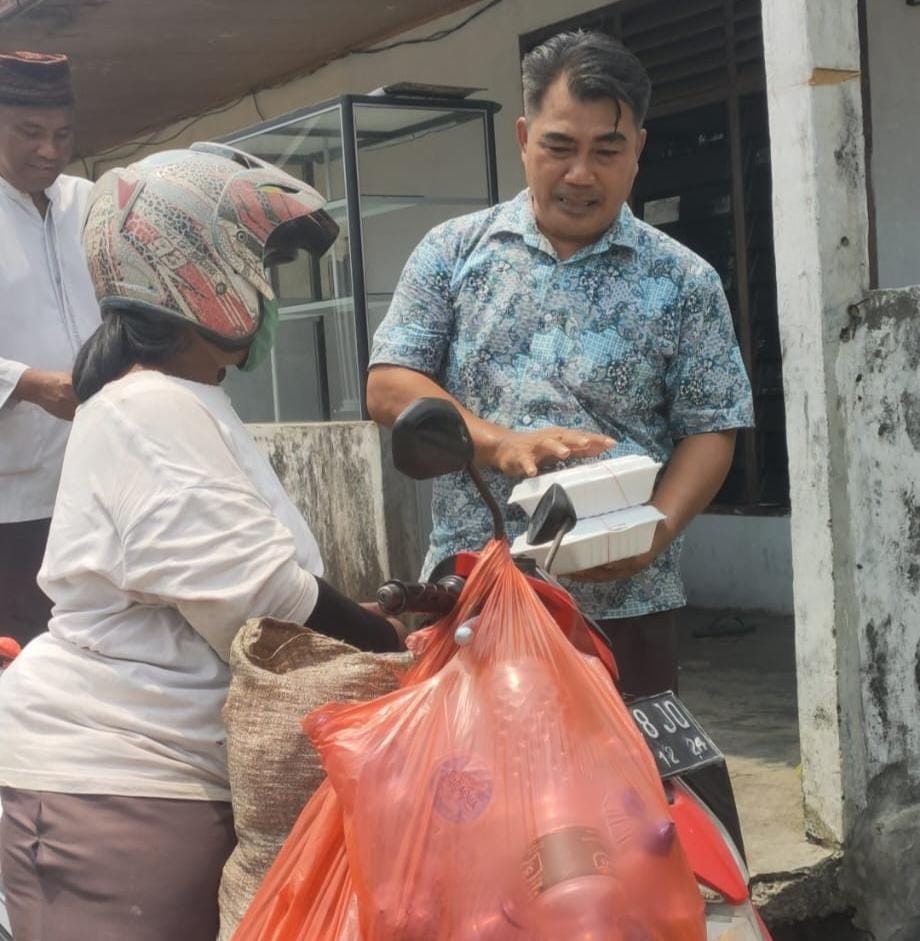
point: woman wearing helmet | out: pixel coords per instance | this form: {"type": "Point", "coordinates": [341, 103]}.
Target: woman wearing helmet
{"type": "Point", "coordinates": [170, 530]}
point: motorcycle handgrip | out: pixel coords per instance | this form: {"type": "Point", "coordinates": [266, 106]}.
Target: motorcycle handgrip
{"type": "Point", "coordinates": [397, 597]}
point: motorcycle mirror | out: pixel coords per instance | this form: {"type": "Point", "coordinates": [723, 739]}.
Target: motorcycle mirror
{"type": "Point", "coordinates": [552, 518]}
{"type": "Point", "coordinates": [430, 438]}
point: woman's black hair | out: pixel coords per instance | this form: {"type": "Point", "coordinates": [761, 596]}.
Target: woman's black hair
{"type": "Point", "coordinates": [125, 339]}
{"type": "Point", "coordinates": [596, 66]}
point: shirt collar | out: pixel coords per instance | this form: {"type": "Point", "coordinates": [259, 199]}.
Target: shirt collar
{"type": "Point", "coordinates": [24, 199]}
{"type": "Point", "coordinates": [516, 217]}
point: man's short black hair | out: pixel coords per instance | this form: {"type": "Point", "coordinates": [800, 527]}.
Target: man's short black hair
{"type": "Point", "coordinates": [595, 65]}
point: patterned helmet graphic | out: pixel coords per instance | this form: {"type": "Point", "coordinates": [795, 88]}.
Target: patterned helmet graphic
{"type": "Point", "coordinates": [189, 234]}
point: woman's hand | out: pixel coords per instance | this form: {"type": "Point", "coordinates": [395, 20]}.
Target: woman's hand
{"type": "Point", "coordinates": [401, 630]}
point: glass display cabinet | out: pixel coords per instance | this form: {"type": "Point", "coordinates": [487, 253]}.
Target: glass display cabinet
{"type": "Point", "coordinates": [391, 169]}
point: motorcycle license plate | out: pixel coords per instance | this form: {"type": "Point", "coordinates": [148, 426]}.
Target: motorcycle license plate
{"type": "Point", "coordinates": [678, 742]}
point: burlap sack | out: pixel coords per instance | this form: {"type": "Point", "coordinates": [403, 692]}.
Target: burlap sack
{"type": "Point", "coordinates": [279, 673]}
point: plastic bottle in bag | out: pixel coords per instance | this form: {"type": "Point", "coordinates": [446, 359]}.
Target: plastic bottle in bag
{"type": "Point", "coordinates": [574, 893]}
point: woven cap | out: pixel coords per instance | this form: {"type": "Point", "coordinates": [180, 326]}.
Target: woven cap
{"type": "Point", "coordinates": [35, 80]}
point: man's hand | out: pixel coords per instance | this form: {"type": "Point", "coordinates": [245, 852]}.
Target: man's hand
{"type": "Point", "coordinates": [52, 391]}
{"type": "Point", "coordinates": [522, 453]}
{"type": "Point", "coordinates": [515, 453]}
{"type": "Point", "coordinates": [626, 568]}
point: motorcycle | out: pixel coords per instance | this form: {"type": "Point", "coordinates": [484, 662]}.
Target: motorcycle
{"type": "Point", "coordinates": [430, 439]}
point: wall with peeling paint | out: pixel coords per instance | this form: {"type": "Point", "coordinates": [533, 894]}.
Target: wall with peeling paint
{"type": "Point", "coordinates": [877, 367]}
{"type": "Point", "coordinates": [366, 516]}
{"type": "Point", "coordinates": [821, 239]}
{"type": "Point", "coordinates": [894, 74]}
{"type": "Point", "coordinates": [334, 472]}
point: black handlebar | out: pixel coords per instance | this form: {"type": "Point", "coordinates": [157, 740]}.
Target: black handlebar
{"type": "Point", "coordinates": [439, 597]}
{"type": "Point", "coordinates": [396, 597]}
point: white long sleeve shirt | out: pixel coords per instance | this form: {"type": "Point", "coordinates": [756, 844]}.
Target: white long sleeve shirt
{"type": "Point", "coordinates": [48, 310]}
{"type": "Point", "coordinates": [165, 539]}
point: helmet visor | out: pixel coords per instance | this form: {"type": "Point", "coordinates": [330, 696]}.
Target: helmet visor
{"type": "Point", "coordinates": [314, 233]}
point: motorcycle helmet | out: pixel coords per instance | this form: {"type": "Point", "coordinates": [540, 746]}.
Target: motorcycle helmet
{"type": "Point", "coordinates": [188, 235]}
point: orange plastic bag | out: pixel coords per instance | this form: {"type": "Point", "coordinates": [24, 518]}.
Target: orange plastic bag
{"type": "Point", "coordinates": [503, 794]}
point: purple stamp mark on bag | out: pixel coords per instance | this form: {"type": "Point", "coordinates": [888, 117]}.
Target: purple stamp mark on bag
{"type": "Point", "coordinates": [462, 789]}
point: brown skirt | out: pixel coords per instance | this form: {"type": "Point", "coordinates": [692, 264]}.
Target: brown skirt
{"type": "Point", "coordinates": [103, 868]}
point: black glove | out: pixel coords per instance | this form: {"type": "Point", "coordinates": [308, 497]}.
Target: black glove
{"type": "Point", "coordinates": [337, 616]}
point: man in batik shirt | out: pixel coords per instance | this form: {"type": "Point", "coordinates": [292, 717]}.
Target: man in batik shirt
{"type": "Point", "coordinates": [567, 329]}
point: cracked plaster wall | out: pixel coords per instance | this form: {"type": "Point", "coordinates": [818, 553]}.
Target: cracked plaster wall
{"type": "Point", "coordinates": [336, 475]}
{"type": "Point", "coordinates": [878, 362]}
{"type": "Point", "coordinates": [879, 398]}
{"type": "Point", "coordinates": [812, 57]}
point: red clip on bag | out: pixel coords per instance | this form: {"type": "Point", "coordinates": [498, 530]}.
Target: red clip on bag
{"type": "Point", "coordinates": [503, 794]}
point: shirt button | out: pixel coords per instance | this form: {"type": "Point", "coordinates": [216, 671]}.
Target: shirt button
{"type": "Point", "coordinates": [527, 419]}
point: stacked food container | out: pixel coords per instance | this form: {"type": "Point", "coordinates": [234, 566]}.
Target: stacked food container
{"type": "Point", "coordinates": [611, 501]}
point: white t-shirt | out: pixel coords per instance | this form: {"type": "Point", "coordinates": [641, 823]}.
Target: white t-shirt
{"type": "Point", "coordinates": [165, 539]}
{"type": "Point", "coordinates": [48, 310]}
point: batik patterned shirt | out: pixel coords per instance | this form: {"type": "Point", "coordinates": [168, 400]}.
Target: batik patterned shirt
{"type": "Point", "coordinates": [630, 337]}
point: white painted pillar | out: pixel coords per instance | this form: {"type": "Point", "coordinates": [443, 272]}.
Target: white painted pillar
{"type": "Point", "coordinates": [821, 231]}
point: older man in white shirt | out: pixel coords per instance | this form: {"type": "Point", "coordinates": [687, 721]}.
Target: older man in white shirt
{"type": "Point", "coordinates": [47, 311]}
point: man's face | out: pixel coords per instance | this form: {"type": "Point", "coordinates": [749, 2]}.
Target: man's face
{"type": "Point", "coordinates": [580, 164]}
{"type": "Point", "coordinates": [35, 146]}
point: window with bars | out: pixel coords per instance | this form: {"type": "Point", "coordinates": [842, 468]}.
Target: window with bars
{"type": "Point", "coordinates": [705, 179]}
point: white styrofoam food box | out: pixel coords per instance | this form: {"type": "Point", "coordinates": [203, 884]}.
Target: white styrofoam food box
{"type": "Point", "coordinates": [597, 488]}
{"type": "Point", "coordinates": [598, 540]}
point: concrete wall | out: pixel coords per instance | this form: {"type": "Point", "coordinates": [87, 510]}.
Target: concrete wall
{"type": "Point", "coordinates": [877, 366]}
{"type": "Point", "coordinates": [894, 75]}
{"type": "Point", "coordinates": [739, 562]}
{"type": "Point", "coordinates": [820, 221]}
{"type": "Point", "coordinates": [332, 472]}
{"type": "Point", "coordinates": [880, 401]}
